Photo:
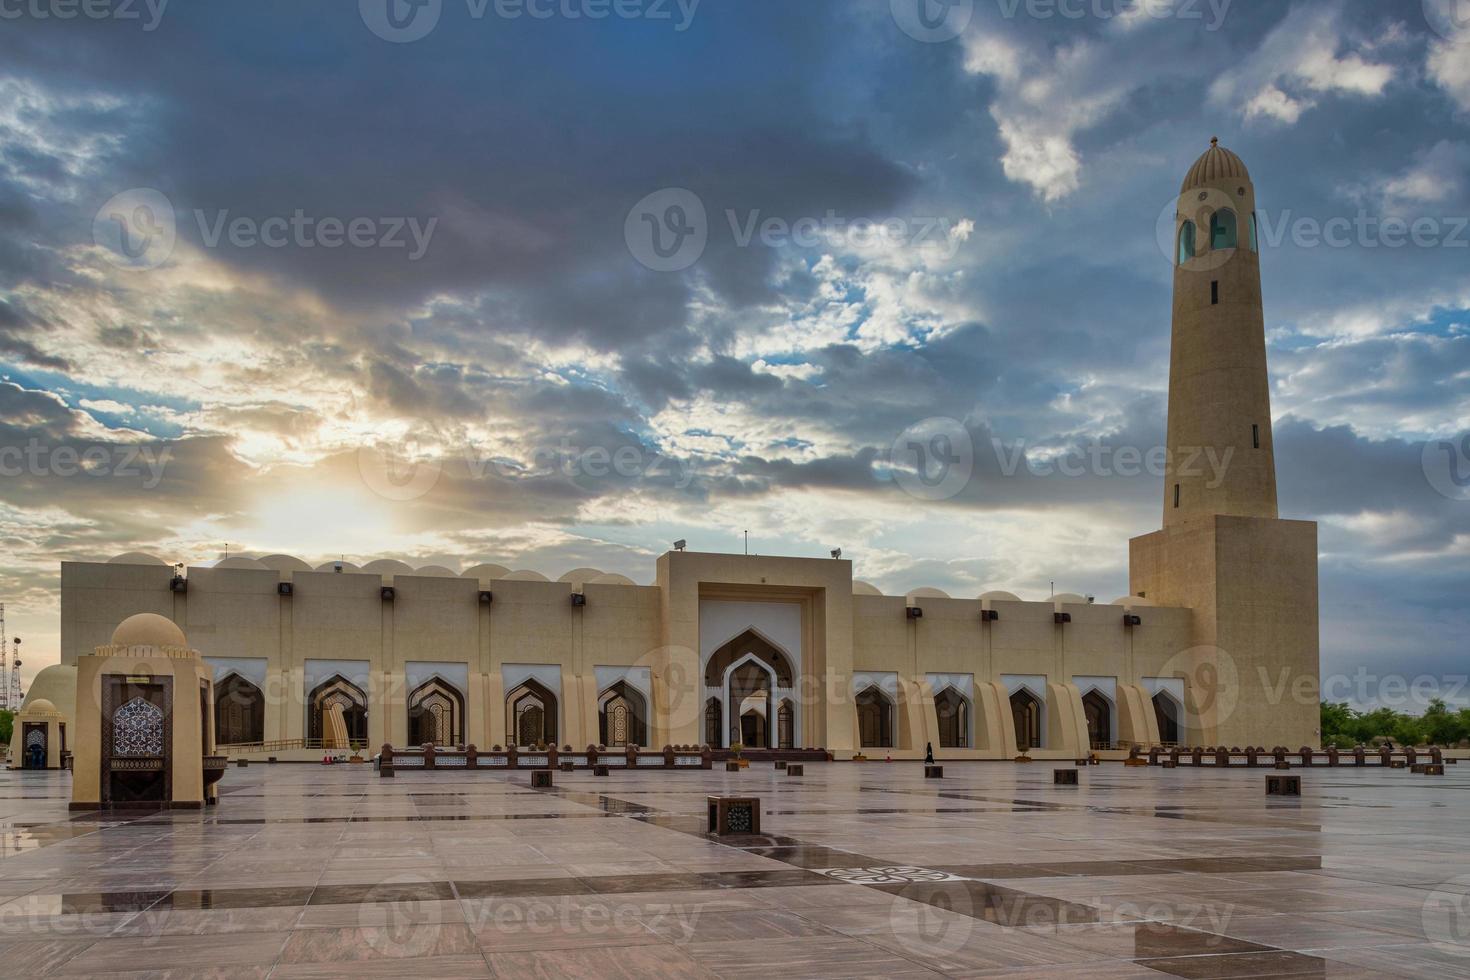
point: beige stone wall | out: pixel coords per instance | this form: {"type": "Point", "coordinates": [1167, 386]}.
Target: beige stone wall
{"type": "Point", "coordinates": [231, 613]}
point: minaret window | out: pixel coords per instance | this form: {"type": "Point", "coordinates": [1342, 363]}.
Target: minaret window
{"type": "Point", "coordinates": [1186, 242]}
{"type": "Point", "coordinates": [1176, 495]}
{"type": "Point", "coordinates": [1215, 292]}
{"type": "Point", "coordinates": [1255, 246]}
{"type": "Point", "coordinates": [1256, 436]}
{"type": "Point", "coordinates": [1222, 229]}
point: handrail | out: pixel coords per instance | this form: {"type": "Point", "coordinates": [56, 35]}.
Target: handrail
{"type": "Point", "coordinates": [281, 744]}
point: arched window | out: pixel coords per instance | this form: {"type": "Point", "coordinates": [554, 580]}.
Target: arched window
{"type": "Point", "coordinates": [786, 724]}
{"type": "Point", "coordinates": [1099, 713]}
{"type": "Point", "coordinates": [1222, 229]}
{"type": "Point", "coordinates": [1166, 713]}
{"type": "Point", "coordinates": [239, 712]}
{"type": "Point", "coordinates": [875, 719]}
{"type": "Point", "coordinates": [435, 714]}
{"type": "Point", "coordinates": [621, 716]}
{"type": "Point", "coordinates": [953, 711]}
{"type": "Point", "coordinates": [712, 722]}
{"type": "Point", "coordinates": [341, 692]}
{"type": "Point", "coordinates": [1026, 714]}
{"type": "Point", "coordinates": [1255, 241]}
{"type": "Point", "coordinates": [530, 716]}
{"type": "Point", "coordinates": [1186, 242]}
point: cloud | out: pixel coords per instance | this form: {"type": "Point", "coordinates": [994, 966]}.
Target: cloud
{"type": "Point", "coordinates": [1308, 54]}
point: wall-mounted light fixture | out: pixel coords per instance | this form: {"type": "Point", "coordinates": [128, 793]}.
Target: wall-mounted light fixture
{"type": "Point", "coordinates": [913, 612]}
{"type": "Point", "coordinates": [485, 597]}
{"type": "Point", "coordinates": [1060, 618]}
{"type": "Point", "coordinates": [1131, 620]}
{"type": "Point", "coordinates": [387, 592]}
{"type": "Point", "coordinates": [989, 615]}
{"type": "Point", "coordinates": [578, 599]}
{"type": "Point", "coordinates": [284, 589]}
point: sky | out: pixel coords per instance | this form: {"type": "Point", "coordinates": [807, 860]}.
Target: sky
{"type": "Point", "coordinates": [553, 283]}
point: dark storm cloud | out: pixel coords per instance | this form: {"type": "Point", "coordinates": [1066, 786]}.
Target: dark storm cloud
{"type": "Point", "coordinates": [527, 142]}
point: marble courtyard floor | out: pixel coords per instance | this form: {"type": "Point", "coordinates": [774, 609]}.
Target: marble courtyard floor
{"type": "Point", "coordinates": [865, 870]}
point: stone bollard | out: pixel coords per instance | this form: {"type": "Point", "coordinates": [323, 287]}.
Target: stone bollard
{"type": "Point", "coordinates": [541, 779]}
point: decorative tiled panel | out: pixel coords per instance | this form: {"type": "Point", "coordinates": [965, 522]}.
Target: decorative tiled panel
{"type": "Point", "coordinates": [688, 760]}
{"type": "Point", "coordinates": [650, 760]}
{"type": "Point", "coordinates": [529, 761]}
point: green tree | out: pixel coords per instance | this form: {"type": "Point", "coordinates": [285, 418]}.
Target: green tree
{"type": "Point", "coordinates": [7, 726]}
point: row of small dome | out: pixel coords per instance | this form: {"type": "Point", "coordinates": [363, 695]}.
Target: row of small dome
{"type": "Point", "coordinates": [996, 595]}
{"type": "Point", "coordinates": [389, 567]}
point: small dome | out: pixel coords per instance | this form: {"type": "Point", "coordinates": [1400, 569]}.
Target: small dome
{"type": "Point", "coordinates": [238, 561]}
{"type": "Point", "coordinates": [579, 575]}
{"type": "Point", "coordinates": [611, 578]}
{"type": "Point", "coordinates": [525, 575]}
{"type": "Point", "coordinates": [1069, 598]}
{"type": "Point", "coordinates": [859, 587]}
{"type": "Point", "coordinates": [285, 563]}
{"type": "Point", "coordinates": [135, 558]}
{"type": "Point", "coordinates": [927, 592]}
{"type": "Point", "coordinates": [435, 571]}
{"type": "Point", "coordinates": [1217, 163]}
{"type": "Point", "coordinates": [331, 566]}
{"type": "Point", "coordinates": [487, 572]}
{"type": "Point", "coordinates": [1132, 601]}
{"type": "Point", "coordinates": [40, 708]}
{"type": "Point", "coordinates": [996, 595]}
{"type": "Point", "coordinates": [148, 630]}
{"type": "Point", "coordinates": [388, 567]}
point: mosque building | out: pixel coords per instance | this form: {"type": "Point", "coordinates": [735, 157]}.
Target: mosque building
{"type": "Point", "coordinates": [1216, 644]}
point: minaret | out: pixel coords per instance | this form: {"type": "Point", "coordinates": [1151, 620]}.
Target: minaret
{"type": "Point", "coordinates": [1246, 579]}
{"type": "Point", "coordinates": [1220, 451]}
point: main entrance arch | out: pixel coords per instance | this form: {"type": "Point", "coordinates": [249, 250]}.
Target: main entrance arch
{"type": "Point", "coordinates": [1099, 713]}
{"type": "Point", "coordinates": [750, 694]}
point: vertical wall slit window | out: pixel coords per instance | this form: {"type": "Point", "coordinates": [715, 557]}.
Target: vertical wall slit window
{"type": "Point", "coordinates": [1176, 495]}
{"type": "Point", "coordinates": [1214, 292]}
{"type": "Point", "coordinates": [1186, 242]}
{"type": "Point", "coordinates": [1255, 246]}
{"type": "Point", "coordinates": [1255, 437]}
